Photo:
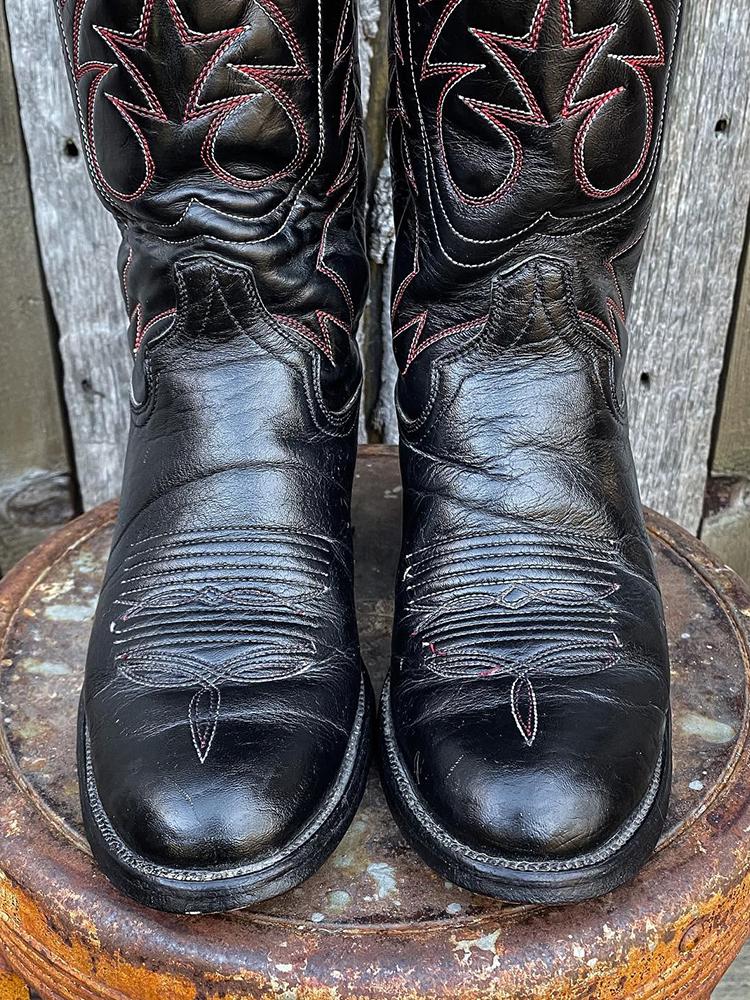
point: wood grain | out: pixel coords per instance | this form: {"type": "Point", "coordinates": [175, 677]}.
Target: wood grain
{"type": "Point", "coordinates": [35, 484]}
{"type": "Point", "coordinates": [78, 242]}
{"type": "Point", "coordinates": [684, 294]}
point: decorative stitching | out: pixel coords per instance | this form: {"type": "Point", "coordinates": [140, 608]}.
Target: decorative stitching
{"type": "Point", "coordinates": [340, 421]}
{"type": "Point", "coordinates": [437, 832]}
{"type": "Point", "coordinates": [126, 856]}
{"type": "Point", "coordinates": [461, 605]}
{"type": "Point", "coordinates": [150, 668]}
{"type": "Point", "coordinates": [455, 73]}
{"type": "Point", "coordinates": [278, 611]}
{"type": "Point", "coordinates": [615, 306]}
{"type": "Point", "coordinates": [142, 328]}
{"type": "Point", "coordinates": [418, 344]}
{"type": "Point", "coordinates": [434, 196]}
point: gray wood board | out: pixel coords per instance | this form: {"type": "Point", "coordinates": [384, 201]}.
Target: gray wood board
{"type": "Point", "coordinates": [78, 242]}
{"type": "Point", "coordinates": [684, 294]}
{"type": "Point", "coordinates": [35, 484]}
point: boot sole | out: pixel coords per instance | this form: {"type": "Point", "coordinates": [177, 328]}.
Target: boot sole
{"type": "Point", "coordinates": [549, 883]}
{"type": "Point", "coordinates": [184, 890]}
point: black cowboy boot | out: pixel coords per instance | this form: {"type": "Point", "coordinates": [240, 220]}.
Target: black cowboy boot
{"type": "Point", "coordinates": [526, 724]}
{"type": "Point", "coordinates": [225, 717]}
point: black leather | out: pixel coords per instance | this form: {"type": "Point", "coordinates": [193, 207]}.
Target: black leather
{"type": "Point", "coordinates": [526, 719]}
{"type": "Point", "coordinates": [225, 719]}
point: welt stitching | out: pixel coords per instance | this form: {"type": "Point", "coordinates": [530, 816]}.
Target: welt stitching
{"type": "Point", "coordinates": [606, 851]}
{"type": "Point", "coordinates": [134, 861]}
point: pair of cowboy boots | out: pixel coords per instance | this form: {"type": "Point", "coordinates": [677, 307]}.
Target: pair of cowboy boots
{"type": "Point", "coordinates": [227, 717]}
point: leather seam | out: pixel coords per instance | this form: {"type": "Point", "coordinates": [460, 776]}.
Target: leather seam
{"type": "Point", "coordinates": [341, 420]}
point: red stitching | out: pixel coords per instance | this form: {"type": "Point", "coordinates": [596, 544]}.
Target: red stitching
{"type": "Point", "coordinates": [348, 168]}
{"type": "Point", "coordinates": [141, 329]}
{"type": "Point", "coordinates": [418, 345]}
{"type": "Point", "coordinates": [411, 275]}
{"type": "Point", "coordinates": [397, 38]}
{"type": "Point", "coordinates": [340, 49]}
{"type": "Point", "coordinates": [596, 105]}
{"type": "Point", "coordinates": [324, 268]}
{"type": "Point", "coordinates": [455, 73]}
{"type": "Point", "coordinates": [222, 108]}
{"type": "Point", "coordinates": [124, 279]}
{"type": "Point", "coordinates": [264, 75]}
{"type": "Point", "coordinates": [615, 307]}
{"type": "Point", "coordinates": [322, 340]}
{"type": "Point", "coordinates": [595, 40]}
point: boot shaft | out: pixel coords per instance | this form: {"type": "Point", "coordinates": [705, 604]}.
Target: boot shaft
{"type": "Point", "coordinates": [521, 131]}
{"type": "Point", "coordinates": [230, 129]}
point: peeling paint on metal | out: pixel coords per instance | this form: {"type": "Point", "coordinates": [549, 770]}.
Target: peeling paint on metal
{"type": "Point", "coordinates": [385, 878]}
{"type": "Point", "coordinates": [710, 730]}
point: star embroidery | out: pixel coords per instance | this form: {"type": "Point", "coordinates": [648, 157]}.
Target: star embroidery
{"type": "Point", "coordinates": [172, 66]}
{"type": "Point", "coordinates": [552, 26]}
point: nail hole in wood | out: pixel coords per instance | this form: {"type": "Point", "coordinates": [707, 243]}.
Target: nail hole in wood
{"type": "Point", "coordinates": [721, 126]}
{"type": "Point", "coordinates": [646, 380]}
{"type": "Point", "coordinates": [89, 390]}
{"type": "Point", "coordinates": [70, 149]}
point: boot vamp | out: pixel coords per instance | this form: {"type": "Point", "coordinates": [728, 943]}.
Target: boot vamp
{"type": "Point", "coordinates": [223, 678]}
{"type": "Point", "coordinates": [530, 691]}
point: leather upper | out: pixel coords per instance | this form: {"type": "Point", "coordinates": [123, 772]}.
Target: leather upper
{"type": "Point", "coordinates": [530, 683]}
{"type": "Point", "coordinates": [224, 682]}
{"type": "Point", "coordinates": [234, 128]}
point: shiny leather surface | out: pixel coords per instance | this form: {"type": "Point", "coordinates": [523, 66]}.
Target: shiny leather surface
{"type": "Point", "coordinates": [530, 683]}
{"type": "Point", "coordinates": [224, 677]}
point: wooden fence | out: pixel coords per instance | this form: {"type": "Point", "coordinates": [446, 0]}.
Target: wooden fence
{"type": "Point", "coordinates": [687, 299]}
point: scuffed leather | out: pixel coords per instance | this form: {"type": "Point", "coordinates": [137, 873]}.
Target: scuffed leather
{"type": "Point", "coordinates": [530, 682]}
{"type": "Point", "coordinates": [223, 676]}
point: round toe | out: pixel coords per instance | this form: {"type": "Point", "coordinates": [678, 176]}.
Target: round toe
{"type": "Point", "coordinates": [564, 794]}
{"type": "Point", "coordinates": [248, 800]}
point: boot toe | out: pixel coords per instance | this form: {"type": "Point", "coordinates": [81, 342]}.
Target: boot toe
{"type": "Point", "coordinates": [529, 815]}
{"type": "Point", "coordinates": [184, 827]}
{"type": "Point", "coordinates": [257, 790]}
{"type": "Point", "coordinates": [565, 795]}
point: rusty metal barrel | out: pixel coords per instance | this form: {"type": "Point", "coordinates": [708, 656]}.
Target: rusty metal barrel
{"type": "Point", "coordinates": [374, 922]}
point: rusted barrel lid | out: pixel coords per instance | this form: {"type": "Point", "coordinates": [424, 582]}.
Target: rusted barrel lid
{"type": "Point", "coordinates": [374, 922]}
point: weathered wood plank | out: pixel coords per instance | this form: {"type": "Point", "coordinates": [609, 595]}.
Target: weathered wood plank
{"type": "Point", "coordinates": [35, 483]}
{"type": "Point", "coordinates": [78, 241]}
{"type": "Point", "coordinates": [683, 300]}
